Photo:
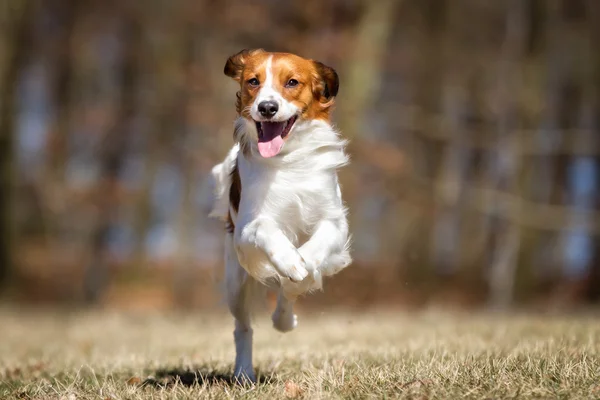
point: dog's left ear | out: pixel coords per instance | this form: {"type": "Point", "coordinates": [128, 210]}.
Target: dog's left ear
{"type": "Point", "coordinates": [329, 79]}
{"type": "Point", "coordinates": [235, 64]}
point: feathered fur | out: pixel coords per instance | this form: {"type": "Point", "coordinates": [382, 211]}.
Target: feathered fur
{"type": "Point", "coordinates": [287, 223]}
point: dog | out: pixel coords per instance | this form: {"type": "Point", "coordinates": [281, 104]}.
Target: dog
{"type": "Point", "coordinates": [277, 190]}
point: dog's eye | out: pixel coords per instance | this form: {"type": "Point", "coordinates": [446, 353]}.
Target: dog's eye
{"type": "Point", "coordinates": [291, 83]}
{"type": "Point", "coordinates": [253, 82]}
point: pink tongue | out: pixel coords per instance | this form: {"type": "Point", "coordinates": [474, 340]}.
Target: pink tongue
{"type": "Point", "coordinates": [270, 148]}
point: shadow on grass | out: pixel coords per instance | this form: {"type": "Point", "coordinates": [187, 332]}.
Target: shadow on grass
{"type": "Point", "coordinates": [165, 378]}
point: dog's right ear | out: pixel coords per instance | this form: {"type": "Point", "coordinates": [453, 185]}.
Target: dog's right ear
{"type": "Point", "coordinates": [235, 63]}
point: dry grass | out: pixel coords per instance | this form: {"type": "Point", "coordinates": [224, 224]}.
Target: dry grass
{"type": "Point", "coordinates": [332, 355]}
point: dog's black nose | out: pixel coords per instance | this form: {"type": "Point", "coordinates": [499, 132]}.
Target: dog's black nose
{"type": "Point", "coordinates": [268, 108]}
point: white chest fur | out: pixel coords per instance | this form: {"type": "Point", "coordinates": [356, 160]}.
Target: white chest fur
{"type": "Point", "coordinates": [296, 199]}
{"type": "Point", "coordinates": [291, 221]}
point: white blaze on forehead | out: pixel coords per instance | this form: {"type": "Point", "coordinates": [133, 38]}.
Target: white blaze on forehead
{"type": "Point", "coordinates": [269, 92]}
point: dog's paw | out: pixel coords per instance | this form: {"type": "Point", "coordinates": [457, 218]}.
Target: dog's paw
{"type": "Point", "coordinates": [284, 321]}
{"type": "Point", "coordinates": [335, 263]}
{"type": "Point", "coordinates": [290, 265]}
{"type": "Point", "coordinates": [312, 261]}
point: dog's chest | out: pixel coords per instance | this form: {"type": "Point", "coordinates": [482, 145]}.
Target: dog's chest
{"type": "Point", "coordinates": [305, 196]}
{"type": "Point", "coordinates": [297, 200]}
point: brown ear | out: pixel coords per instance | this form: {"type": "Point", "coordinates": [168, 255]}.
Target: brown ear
{"type": "Point", "coordinates": [235, 63]}
{"type": "Point", "coordinates": [329, 78]}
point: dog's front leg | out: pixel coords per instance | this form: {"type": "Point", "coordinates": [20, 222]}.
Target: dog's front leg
{"type": "Point", "coordinates": [326, 249]}
{"type": "Point", "coordinates": [263, 235]}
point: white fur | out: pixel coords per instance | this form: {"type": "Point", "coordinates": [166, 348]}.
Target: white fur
{"type": "Point", "coordinates": [222, 182]}
{"type": "Point", "coordinates": [291, 227]}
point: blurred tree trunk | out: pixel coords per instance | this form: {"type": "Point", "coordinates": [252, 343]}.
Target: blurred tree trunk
{"type": "Point", "coordinates": [155, 146]}
{"type": "Point", "coordinates": [580, 176]}
{"type": "Point", "coordinates": [548, 138]}
{"type": "Point", "coordinates": [184, 279]}
{"type": "Point", "coordinates": [575, 173]}
{"type": "Point", "coordinates": [425, 156]}
{"type": "Point", "coordinates": [541, 72]}
{"type": "Point", "coordinates": [449, 182]}
{"type": "Point", "coordinates": [112, 156]}
{"type": "Point", "coordinates": [153, 158]}
{"type": "Point", "coordinates": [186, 217]}
{"type": "Point", "coordinates": [593, 11]}
{"type": "Point", "coordinates": [364, 68]}
{"type": "Point", "coordinates": [361, 80]}
{"type": "Point", "coordinates": [582, 185]}
{"type": "Point", "coordinates": [506, 256]}
{"type": "Point", "coordinates": [66, 12]}
{"type": "Point", "coordinates": [15, 30]}
{"type": "Point", "coordinates": [363, 73]}
{"type": "Point", "coordinates": [475, 227]}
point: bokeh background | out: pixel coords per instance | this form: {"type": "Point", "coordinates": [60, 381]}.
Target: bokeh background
{"type": "Point", "coordinates": [475, 144]}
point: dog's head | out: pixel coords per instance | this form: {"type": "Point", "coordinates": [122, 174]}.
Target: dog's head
{"type": "Point", "coordinates": [279, 92]}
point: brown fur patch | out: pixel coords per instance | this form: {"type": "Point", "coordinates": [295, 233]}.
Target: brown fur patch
{"type": "Point", "coordinates": [314, 94]}
{"type": "Point", "coordinates": [235, 194]}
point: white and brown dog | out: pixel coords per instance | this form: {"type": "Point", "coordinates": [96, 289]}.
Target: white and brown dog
{"type": "Point", "coordinates": [278, 190]}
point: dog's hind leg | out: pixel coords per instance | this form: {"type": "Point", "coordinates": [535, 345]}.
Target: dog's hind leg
{"type": "Point", "coordinates": [284, 319]}
{"type": "Point", "coordinates": [243, 294]}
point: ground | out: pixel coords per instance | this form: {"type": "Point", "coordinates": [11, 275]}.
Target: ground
{"type": "Point", "coordinates": [109, 355]}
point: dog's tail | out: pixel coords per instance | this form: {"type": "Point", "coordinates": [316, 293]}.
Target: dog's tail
{"type": "Point", "coordinates": [221, 182]}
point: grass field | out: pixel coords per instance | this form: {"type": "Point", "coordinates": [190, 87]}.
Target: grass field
{"type": "Point", "coordinates": [105, 355]}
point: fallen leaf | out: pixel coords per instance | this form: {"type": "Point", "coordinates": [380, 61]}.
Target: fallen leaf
{"type": "Point", "coordinates": [293, 390]}
{"type": "Point", "coordinates": [134, 381]}
{"type": "Point", "coordinates": [38, 366]}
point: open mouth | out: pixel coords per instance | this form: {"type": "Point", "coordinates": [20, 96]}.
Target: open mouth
{"type": "Point", "coordinates": [271, 135]}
